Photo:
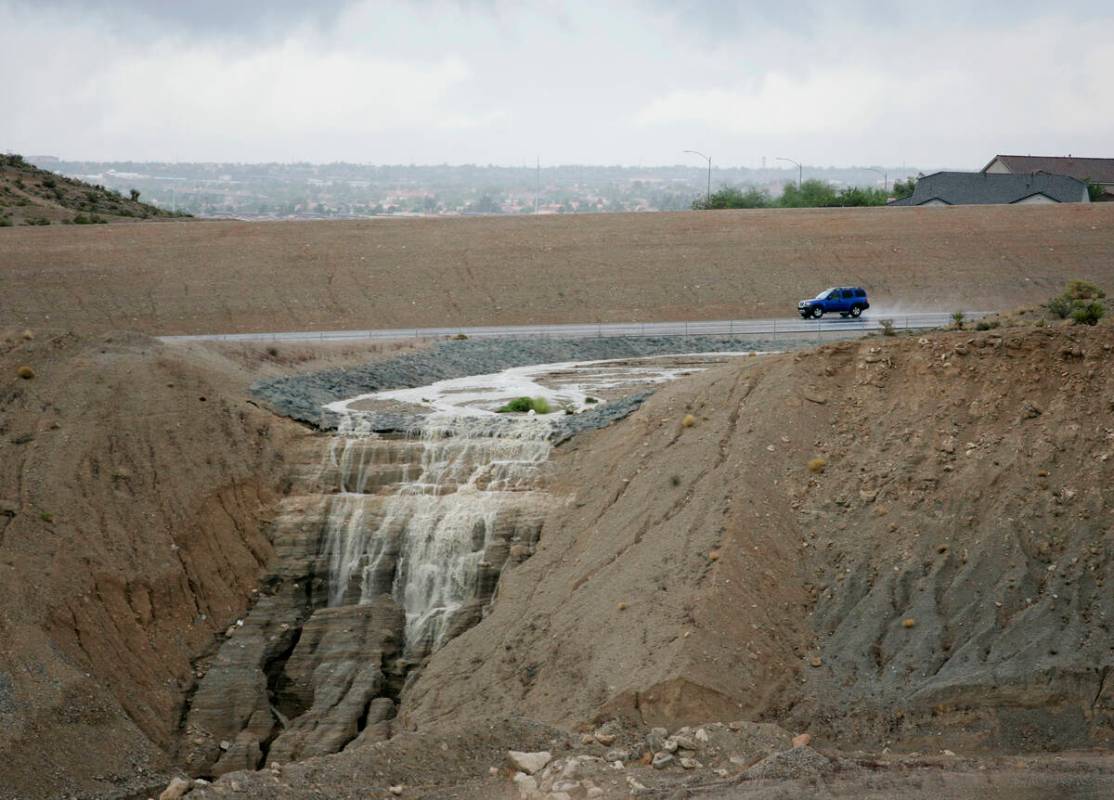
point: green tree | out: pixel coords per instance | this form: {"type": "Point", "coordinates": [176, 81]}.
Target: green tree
{"type": "Point", "coordinates": [903, 189]}
{"type": "Point", "coordinates": [812, 193]}
{"type": "Point", "coordinates": [858, 196]}
{"type": "Point", "coordinates": [733, 197]}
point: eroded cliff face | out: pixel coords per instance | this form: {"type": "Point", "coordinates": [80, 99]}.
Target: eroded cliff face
{"type": "Point", "coordinates": [386, 548]}
{"type": "Point", "coordinates": [135, 484]}
{"type": "Point", "coordinates": [938, 568]}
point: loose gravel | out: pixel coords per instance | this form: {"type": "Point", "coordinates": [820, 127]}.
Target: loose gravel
{"type": "Point", "coordinates": [302, 397]}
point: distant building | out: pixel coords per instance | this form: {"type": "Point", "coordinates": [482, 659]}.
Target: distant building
{"type": "Point", "coordinates": [1099, 171]}
{"type": "Point", "coordinates": [984, 188]}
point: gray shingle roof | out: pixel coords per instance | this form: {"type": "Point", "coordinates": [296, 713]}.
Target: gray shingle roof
{"type": "Point", "coordinates": [979, 188]}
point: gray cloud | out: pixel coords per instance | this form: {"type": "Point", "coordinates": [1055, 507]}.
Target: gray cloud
{"type": "Point", "coordinates": [585, 81]}
{"type": "Point", "coordinates": [221, 18]}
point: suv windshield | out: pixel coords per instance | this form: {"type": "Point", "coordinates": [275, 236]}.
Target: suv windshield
{"type": "Point", "coordinates": [823, 294]}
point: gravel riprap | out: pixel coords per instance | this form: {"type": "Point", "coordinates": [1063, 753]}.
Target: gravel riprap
{"type": "Point", "coordinates": [302, 397]}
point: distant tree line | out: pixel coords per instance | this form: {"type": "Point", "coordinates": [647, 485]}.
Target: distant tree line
{"type": "Point", "coordinates": [810, 194]}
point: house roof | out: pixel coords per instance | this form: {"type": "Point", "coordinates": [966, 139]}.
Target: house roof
{"type": "Point", "coordinates": [979, 188]}
{"type": "Point", "coordinates": [1096, 170]}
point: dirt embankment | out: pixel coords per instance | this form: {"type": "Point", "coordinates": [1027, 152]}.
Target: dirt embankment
{"type": "Point", "coordinates": [135, 484]}
{"type": "Point", "coordinates": [937, 578]}
{"type": "Point", "coordinates": [214, 277]}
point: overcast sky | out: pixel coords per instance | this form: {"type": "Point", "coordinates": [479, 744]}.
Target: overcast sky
{"type": "Point", "coordinates": [841, 82]}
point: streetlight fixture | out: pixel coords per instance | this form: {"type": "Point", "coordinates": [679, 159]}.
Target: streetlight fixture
{"type": "Point", "coordinates": [709, 159]}
{"type": "Point", "coordinates": [800, 169]}
{"type": "Point", "coordinates": [885, 177]}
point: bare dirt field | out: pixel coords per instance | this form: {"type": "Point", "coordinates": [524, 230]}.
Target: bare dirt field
{"type": "Point", "coordinates": [222, 277]}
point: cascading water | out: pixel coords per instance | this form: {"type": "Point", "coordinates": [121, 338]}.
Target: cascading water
{"type": "Point", "coordinates": [436, 537]}
{"type": "Point", "coordinates": [387, 547]}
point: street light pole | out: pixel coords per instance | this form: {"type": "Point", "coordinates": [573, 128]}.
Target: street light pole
{"type": "Point", "coordinates": [885, 177]}
{"type": "Point", "coordinates": [800, 169]}
{"type": "Point", "coordinates": [708, 200]}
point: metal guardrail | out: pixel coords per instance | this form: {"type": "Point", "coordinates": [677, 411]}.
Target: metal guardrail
{"type": "Point", "coordinates": [767, 328]}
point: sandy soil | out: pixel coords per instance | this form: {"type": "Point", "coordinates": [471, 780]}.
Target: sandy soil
{"type": "Point", "coordinates": [213, 277]}
{"type": "Point", "coordinates": [938, 572]}
{"type": "Point", "coordinates": [135, 480]}
{"type": "Point", "coordinates": [936, 583]}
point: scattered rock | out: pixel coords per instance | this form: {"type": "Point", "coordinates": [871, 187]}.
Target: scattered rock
{"type": "Point", "coordinates": [617, 755]}
{"type": "Point", "coordinates": [1030, 410]}
{"type": "Point", "coordinates": [802, 739]}
{"type": "Point", "coordinates": [691, 763]}
{"type": "Point", "coordinates": [176, 789]}
{"type": "Point", "coordinates": [908, 622]}
{"type": "Point", "coordinates": [529, 762]}
{"type": "Point", "coordinates": [527, 784]}
{"type": "Point", "coordinates": [604, 738]}
{"type": "Point", "coordinates": [685, 742]}
{"type": "Point", "coordinates": [800, 762]}
{"type": "Point", "coordinates": [662, 760]}
{"type": "Point", "coordinates": [395, 790]}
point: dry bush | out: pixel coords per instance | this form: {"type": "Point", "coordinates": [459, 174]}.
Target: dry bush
{"type": "Point", "coordinates": [25, 372]}
{"type": "Point", "coordinates": [688, 421]}
{"type": "Point", "coordinates": [817, 464]}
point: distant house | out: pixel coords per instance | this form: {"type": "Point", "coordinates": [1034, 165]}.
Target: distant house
{"type": "Point", "coordinates": [985, 188]}
{"type": "Point", "coordinates": [1099, 171]}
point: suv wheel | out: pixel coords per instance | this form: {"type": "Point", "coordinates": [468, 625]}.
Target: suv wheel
{"type": "Point", "coordinates": [817, 312]}
{"type": "Point", "coordinates": [856, 311]}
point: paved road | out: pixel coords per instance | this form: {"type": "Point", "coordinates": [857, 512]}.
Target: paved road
{"type": "Point", "coordinates": [744, 327]}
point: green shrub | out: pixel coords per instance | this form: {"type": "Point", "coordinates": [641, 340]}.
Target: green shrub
{"type": "Point", "coordinates": [986, 324]}
{"type": "Point", "coordinates": [36, 221]}
{"type": "Point", "coordinates": [523, 405]}
{"type": "Point", "coordinates": [887, 327]}
{"type": "Point", "coordinates": [1087, 313]}
{"type": "Point", "coordinates": [1083, 290]}
{"type": "Point", "coordinates": [1081, 301]}
{"type": "Point", "coordinates": [1060, 306]}
{"type": "Point", "coordinates": [5, 222]}
{"type": "Point", "coordinates": [957, 319]}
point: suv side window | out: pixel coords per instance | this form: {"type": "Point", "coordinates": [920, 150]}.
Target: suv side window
{"type": "Point", "coordinates": [860, 293]}
{"type": "Point", "coordinates": [847, 294]}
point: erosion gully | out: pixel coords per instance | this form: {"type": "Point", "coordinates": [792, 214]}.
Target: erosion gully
{"type": "Point", "coordinates": [390, 543]}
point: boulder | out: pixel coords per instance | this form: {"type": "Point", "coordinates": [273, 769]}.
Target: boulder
{"type": "Point", "coordinates": [176, 789]}
{"type": "Point", "coordinates": [529, 762]}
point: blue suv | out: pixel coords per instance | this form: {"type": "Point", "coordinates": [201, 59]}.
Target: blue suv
{"type": "Point", "coordinates": [849, 302]}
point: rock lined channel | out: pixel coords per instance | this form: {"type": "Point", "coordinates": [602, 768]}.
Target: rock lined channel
{"type": "Point", "coordinates": [388, 545]}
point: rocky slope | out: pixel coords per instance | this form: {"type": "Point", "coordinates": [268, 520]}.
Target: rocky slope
{"type": "Point", "coordinates": [895, 542]}
{"type": "Point", "coordinates": [33, 196]}
{"type": "Point", "coordinates": [136, 484]}
{"type": "Point", "coordinates": [939, 571]}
